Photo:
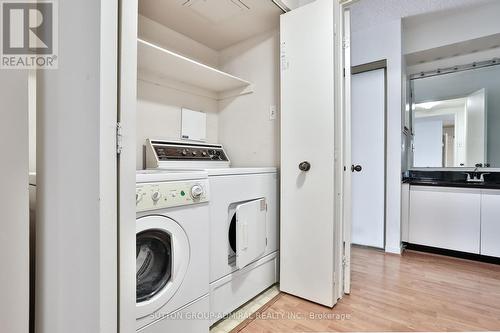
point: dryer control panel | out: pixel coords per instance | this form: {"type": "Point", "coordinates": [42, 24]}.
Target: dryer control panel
{"type": "Point", "coordinates": [152, 196]}
{"type": "Point", "coordinates": [175, 154]}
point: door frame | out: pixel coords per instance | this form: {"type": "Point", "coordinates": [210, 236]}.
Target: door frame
{"type": "Point", "coordinates": [342, 147]}
{"type": "Point", "coordinates": [126, 118]}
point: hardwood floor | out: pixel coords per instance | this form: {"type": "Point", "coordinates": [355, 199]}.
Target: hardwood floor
{"type": "Point", "coordinates": [414, 292]}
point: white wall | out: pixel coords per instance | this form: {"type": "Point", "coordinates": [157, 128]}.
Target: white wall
{"type": "Point", "coordinates": [32, 119]}
{"type": "Point", "coordinates": [159, 114]}
{"type": "Point", "coordinates": [76, 178]}
{"type": "Point", "coordinates": [423, 32]}
{"type": "Point", "coordinates": [245, 128]}
{"type": "Point", "coordinates": [159, 106]}
{"type": "Point", "coordinates": [242, 124]}
{"type": "Point", "coordinates": [14, 223]}
{"type": "Point", "coordinates": [377, 43]}
{"type": "Point", "coordinates": [172, 40]}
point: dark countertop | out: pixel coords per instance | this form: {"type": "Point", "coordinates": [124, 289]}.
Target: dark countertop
{"type": "Point", "coordinates": [450, 179]}
{"type": "Point", "coordinates": [446, 183]}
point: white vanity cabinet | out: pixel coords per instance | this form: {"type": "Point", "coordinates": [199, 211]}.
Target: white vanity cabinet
{"type": "Point", "coordinates": [448, 218]}
{"type": "Point", "coordinates": [405, 211]}
{"type": "Point", "coordinates": [490, 223]}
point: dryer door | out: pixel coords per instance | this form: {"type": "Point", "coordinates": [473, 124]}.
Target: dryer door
{"type": "Point", "coordinates": [251, 236]}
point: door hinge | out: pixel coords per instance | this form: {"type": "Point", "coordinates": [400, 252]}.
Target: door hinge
{"type": "Point", "coordinates": [344, 261]}
{"type": "Point", "coordinates": [346, 43]}
{"type": "Point", "coordinates": [119, 138]}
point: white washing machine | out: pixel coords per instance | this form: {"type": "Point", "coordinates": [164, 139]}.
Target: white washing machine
{"type": "Point", "coordinates": [243, 220]}
{"type": "Point", "coordinates": [172, 261]}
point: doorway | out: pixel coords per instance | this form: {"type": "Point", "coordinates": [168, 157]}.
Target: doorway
{"type": "Point", "coordinates": [368, 144]}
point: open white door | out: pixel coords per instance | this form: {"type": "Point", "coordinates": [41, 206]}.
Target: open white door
{"type": "Point", "coordinates": [307, 152]}
{"type": "Point", "coordinates": [347, 190]}
{"type": "Point", "coordinates": [476, 128]}
{"type": "Point", "coordinates": [250, 231]}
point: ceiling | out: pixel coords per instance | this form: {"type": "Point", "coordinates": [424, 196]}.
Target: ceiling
{"type": "Point", "coordinates": [214, 23]}
{"type": "Point", "coordinates": [369, 13]}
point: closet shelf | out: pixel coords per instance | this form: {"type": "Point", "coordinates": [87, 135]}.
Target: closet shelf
{"type": "Point", "coordinates": [162, 64]}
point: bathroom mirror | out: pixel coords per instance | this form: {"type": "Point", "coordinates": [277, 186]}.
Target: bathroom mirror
{"type": "Point", "coordinates": [455, 117]}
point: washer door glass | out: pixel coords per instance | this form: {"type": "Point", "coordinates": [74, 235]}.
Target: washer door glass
{"type": "Point", "coordinates": [153, 263]}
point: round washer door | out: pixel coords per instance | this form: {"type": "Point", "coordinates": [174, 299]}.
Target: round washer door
{"type": "Point", "coordinates": [162, 259]}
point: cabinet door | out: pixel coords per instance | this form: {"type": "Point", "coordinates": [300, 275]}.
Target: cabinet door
{"type": "Point", "coordinates": [447, 218]}
{"type": "Point", "coordinates": [405, 211]}
{"type": "Point", "coordinates": [490, 223]}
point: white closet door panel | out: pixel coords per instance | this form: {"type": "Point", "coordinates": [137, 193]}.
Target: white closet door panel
{"type": "Point", "coordinates": [307, 135]}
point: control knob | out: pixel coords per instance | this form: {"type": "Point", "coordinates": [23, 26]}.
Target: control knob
{"type": "Point", "coordinates": [196, 191]}
{"type": "Point", "coordinates": [156, 196]}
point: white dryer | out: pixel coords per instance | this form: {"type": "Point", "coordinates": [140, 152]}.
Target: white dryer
{"type": "Point", "coordinates": [243, 220]}
{"type": "Point", "coordinates": [172, 258]}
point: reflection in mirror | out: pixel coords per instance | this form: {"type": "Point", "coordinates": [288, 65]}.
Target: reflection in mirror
{"type": "Point", "coordinates": [456, 119]}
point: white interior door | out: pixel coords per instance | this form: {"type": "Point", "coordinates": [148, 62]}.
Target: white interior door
{"type": "Point", "coordinates": [368, 152]}
{"type": "Point", "coordinates": [307, 152]}
{"type": "Point", "coordinates": [250, 231]}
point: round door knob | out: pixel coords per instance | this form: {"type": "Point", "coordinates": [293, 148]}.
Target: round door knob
{"type": "Point", "coordinates": [356, 168]}
{"type": "Point", "coordinates": [305, 166]}
{"type": "Point", "coordinates": [156, 196]}
{"type": "Point", "coordinates": [196, 191]}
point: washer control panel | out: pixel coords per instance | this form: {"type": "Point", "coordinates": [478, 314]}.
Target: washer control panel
{"type": "Point", "coordinates": [151, 196]}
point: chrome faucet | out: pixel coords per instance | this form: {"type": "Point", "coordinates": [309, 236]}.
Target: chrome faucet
{"type": "Point", "coordinates": [476, 177]}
